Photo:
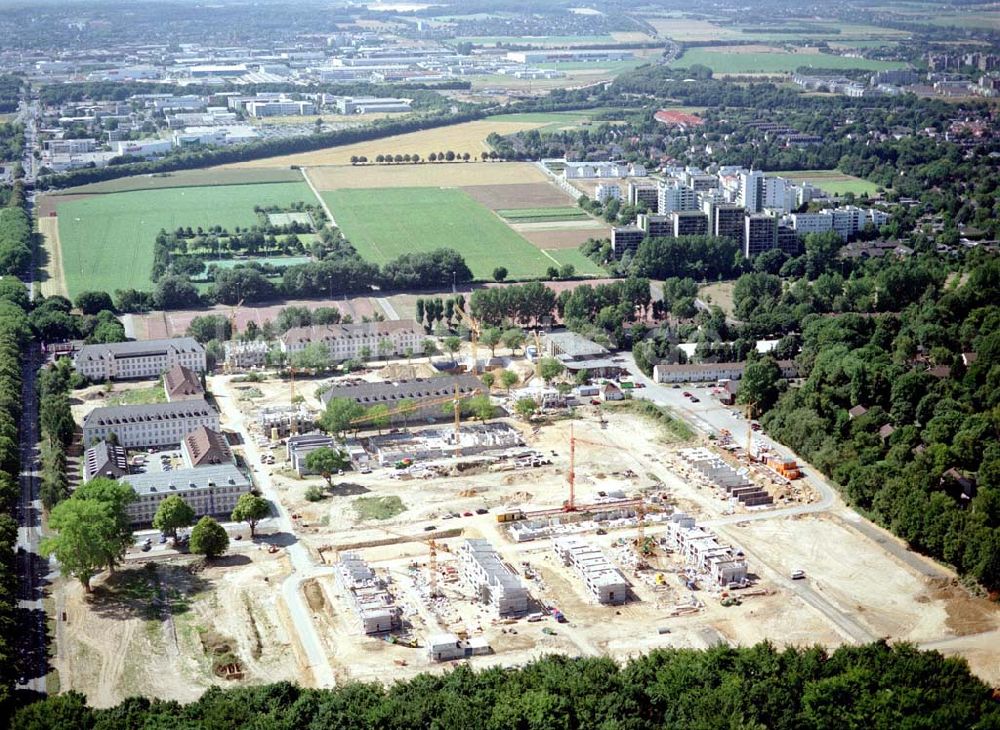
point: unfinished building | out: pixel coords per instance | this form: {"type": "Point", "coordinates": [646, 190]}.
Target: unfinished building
{"type": "Point", "coordinates": [494, 583]}
{"type": "Point", "coordinates": [722, 475]}
{"type": "Point", "coordinates": [725, 565]}
{"type": "Point", "coordinates": [374, 605]}
{"type": "Point", "coordinates": [439, 443]}
{"type": "Point", "coordinates": [280, 421]}
{"type": "Point", "coordinates": [604, 581]}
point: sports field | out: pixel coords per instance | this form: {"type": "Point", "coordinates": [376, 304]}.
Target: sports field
{"type": "Point", "coordinates": [751, 59]}
{"type": "Point", "coordinates": [831, 181]}
{"type": "Point", "coordinates": [106, 241]}
{"type": "Point", "coordinates": [402, 220]}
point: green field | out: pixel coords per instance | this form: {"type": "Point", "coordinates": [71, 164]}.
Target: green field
{"type": "Point", "coordinates": [583, 265]}
{"type": "Point", "coordinates": [538, 215]}
{"type": "Point", "coordinates": [831, 181]}
{"type": "Point", "coordinates": [107, 240]}
{"type": "Point", "coordinates": [391, 222]}
{"type": "Point", "coordinates": [757, 62]}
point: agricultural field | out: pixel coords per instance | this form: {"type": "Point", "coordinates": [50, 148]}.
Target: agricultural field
{"type": "Point", "coordinates": [539, 41]}
{"type": "Point", "coordinates": [402, 220]}
{"type": "Point", "coordinates": [764, 59]}
{"type": "Point", "coordinates": [489, 175]}
{"type": "Point", "coordinates": [831, 181]}
{"type": "Point", "coordinates": [187, 179]}
{"type": "Point", "coordinates": [559, 121]}
{"type": "Point", "coordinates": [465, 137]}
{"type": "Point", "coordinates": [106, 241]}
{"type": "Point", "coordinates": [542, 215]}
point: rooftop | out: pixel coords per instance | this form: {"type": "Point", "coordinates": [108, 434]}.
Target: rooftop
{"type": "Point", "coordinates": [206, 446]}
{"type": "Point", "coordinates": [389, 392]}
{"type": "Point", "coordinates": [326, 332]}
{"type": "Point", "coordinates": [113, 415]}
{"type": "Point", "coordinates": [186, 480]}
{"type": "Point", "coordinates": [140, 348]}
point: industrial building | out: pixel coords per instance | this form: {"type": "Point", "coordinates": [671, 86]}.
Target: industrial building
{"type": "Point", "coordinates": [493, 582]}
{"type": "Point", "coordinates": [209, 490]}
{"type": "Point", "coordinates": [578, 353]}
{"type": "Point", "coordinates": [142, 359]}
{"type": "Point", "coordinates": [157, 424]}
{"type": "Point", "coordinates": [604, 581]}
{"type": "Point", "coordinates": [371, 104]}
{"type": "Point", "coordinates": [374, 606]}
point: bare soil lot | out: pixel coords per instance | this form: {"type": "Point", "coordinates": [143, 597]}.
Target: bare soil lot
{"type": "Point", "coordinates": [563, 239]}
{"type": "Point", "coordinates": [518, 195]}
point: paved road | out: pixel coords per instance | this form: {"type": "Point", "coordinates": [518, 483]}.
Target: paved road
{"type": "Point", "coordinates": [303, 565]}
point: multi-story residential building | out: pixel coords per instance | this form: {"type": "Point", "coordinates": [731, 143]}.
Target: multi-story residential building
{"type": "Point", "coordinates": [140, 359]}
{"type": "Point", "coordinates": [655, 226]}
{"type": "Point", "coordinates": [626, 238]}
{"type": "Point", "coordinates": [157, 424]}
{"type": "Point", "coordinates": [491, 580]}
{"type": "Point", "coordinates": [725, 219]}
{"type": "Point", "coordinates": [689, 223]}
{"type": "Point", "coordinates": [606, 192]}
{"type": "Point", "coordinates": [673, 196]}
{"type": "Point", "coordinates": [603, 580]}
{"type": "Point", "coordinates": [760, 234]}
{"type": "Point", "coordinates": [751, 190]}
{"type": "Point", "coordinates": [357, 341]}
{"type": "Point", "coordinates": [647, 195]}
{"type": "Point", "coordinates": [209, 490]}
{"type": "Point", "coordinates": [244, 355]}
{"type": "Point", "coordinates": [788, 240]}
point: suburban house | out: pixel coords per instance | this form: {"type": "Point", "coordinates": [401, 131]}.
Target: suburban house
{"type": "Point", "coordinates": [157, 424]}
{"type": "Point", "coordinates": [357, 341]}
{"type": "Point", "coordinates": [141, 359]}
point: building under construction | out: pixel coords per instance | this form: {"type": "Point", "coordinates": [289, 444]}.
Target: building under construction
{"type": "Point", "coordinates": [735, 483]}
{"type": "Point", "coordinates": [372, 602]}
{"type": "Point", "coordinates": [440, 443]}
{"type": "Point", "coordinates": [283, 420]}
{"type": "Point", "coordinates": [604, 581]}
{"type": "Point", "coordinates": [701, 549]}
{"type": "Point", "coordinates": [493, 581]}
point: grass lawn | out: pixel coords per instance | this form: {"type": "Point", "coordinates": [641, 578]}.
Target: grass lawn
{"type": "Point", "coordinates": [139, 396]}
{"type": "Point", "coordinates": [581, 264]}
{"type": "Point", "coordinates": [107, 240]}
{"type": "Point", "coordinates": [537, 215]}
{"type": "Point", "coordinates": [384, 225]}
{"type": "Point", "coordinates": [735, 62]}
{"type": "Point", "coordinates": [831, 181]}
{"type": "Point", "coordinates": [378, 508]}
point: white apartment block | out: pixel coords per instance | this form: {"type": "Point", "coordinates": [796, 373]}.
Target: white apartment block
{"type": "Point", "coordinates": [603, 193]}
{"type": "Point", "coordinates": [209, 490]}
{"type": "Point", "coordinates": [348, 341]}
{"type": "Point", "coordinates": [604, 581]}
{"type": "Point", "coordinates": [158, 424]}
{"type": "Point", "coordinates": [493, 582]}
{"type": "Point", "coordinates": [140, 359]}
{"type": "Point", "coordinates": [373, 604]}
{"type": "Point", "coordinates": [673, 196]}
{"type": "Point", "coordinates": [845, 221]}
{"type": "Point", "coordinates": [702, 550]}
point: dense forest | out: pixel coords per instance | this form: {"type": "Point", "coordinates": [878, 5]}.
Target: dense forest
{"type": "Point", "coordinates": [874, 686]}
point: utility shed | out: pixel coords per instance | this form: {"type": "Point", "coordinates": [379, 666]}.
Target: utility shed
{"type": "Point", "coordinates": [604, 581]}
{"type": "Point", "coordinates": [494, 583]}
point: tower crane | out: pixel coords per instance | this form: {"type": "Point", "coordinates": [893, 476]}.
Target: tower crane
{"type": "Point", "coordinates": [749, 417]}
{"type": "Point", "coordinates": [432, 563]}
{"type": "Point", "coordinates": [538, 356]}
{"type": "Point", "coordinates": [570, 504]}
{"type": "Point", "coordinates": [475, 330]}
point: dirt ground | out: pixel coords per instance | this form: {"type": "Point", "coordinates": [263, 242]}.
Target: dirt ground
{"type": "Point", "coordinates": [569, 237]}
{"type": "Point", "coordinates": [140, 632]}
{"type": "Point", "coordinates": [52, 279]}
{"type": "Point", "coordinates": [720, 293]}
{"type": "Point", "coordinates": [466, 137]}
{"type": "Point", "coordinates": [519, 195]}
{"type": "Point", "coordinates": [449, 174]}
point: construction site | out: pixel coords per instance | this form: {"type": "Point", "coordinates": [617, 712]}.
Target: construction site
{"type": "Point", "coordinates": [591, 530]}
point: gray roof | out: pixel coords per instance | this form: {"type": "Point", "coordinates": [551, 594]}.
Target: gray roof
{"type": "Point", "coordinates": [186, 480]}
{"type": "Point", "coordinates": [391, 392]}
{"type": "Point", "coordinates": [327, 332]}
{"type": "Point", "coordinates": [575, 345]}
{"type": "Point", "coordinates": [114, 415]}
{"type": "Point", "coordinates": [140, 348]}
{"type": "Point", "coordinates": [103, 459]}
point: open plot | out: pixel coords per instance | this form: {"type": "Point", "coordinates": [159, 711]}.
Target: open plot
{"type": "Point", "coordinates": [107, 240]}
{"type": "Point", "coordinates": [403, 220]}
{"type": "Point", "coordinates": [562, 238]}
{"type": "Point", "coordinates": [832, 181]}
{"type": "Point", "coordinates": [186, 179]}
{"type": "Point", "coordinates": [737, 60]}
{"type": "Point", "coordinates": [456, 174]}
{"type": "Point", "coordinates": [466, 137]}
{"type": "Point", "coordinates": [518, 195]}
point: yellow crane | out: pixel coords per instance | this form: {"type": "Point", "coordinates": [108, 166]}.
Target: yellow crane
{"type": "Point", "coordinates": [538, 356]}
{"type": "Point", "coordinates": [475, 330]}
{"type": "Point", "coordinates": [570, 504]}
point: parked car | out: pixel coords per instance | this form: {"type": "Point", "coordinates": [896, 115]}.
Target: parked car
{"type": "Point", "coordinates": [686, 394]}
{"type": "Point", "coordinates": [482, 511]}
